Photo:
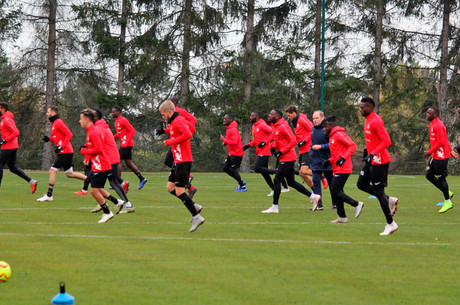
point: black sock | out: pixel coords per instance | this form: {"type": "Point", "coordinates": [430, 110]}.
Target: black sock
{"type": "Point", "coordinates": [105, 208]}
{"type": "Point", "coordinates": [188, 202]}
{"type": "Point", "coordinates": [173, 192]}
{"type": "Point", "coordinates": [86, 184]}
{"type": "Point", "coordinates": [50, 190]}
{"type": "Point", "coordinates": [113, 199]}
{"type": "Point", "coordinates": [139, 175]}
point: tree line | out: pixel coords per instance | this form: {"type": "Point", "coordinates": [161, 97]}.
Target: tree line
{"type": "Point", "coordinates": [221, 56]}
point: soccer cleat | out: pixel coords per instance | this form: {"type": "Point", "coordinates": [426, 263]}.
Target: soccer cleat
{"type": "Point", "coordinates": [98, 208]}
{"type": "Point", "coordinates": [324, 182]}
{"type": "Point", "coordinates": [272, 193]}
{"type": "Point", "coordinates": [389, 229]}
{"type": "Point", "coordinates": [127, 210]}
{"type": "Point", "coordinates": [191, 192]}
{"type": "Point", "coordinates": [393, 205]}
{"type": "Point", "coordinates": [125, 186]}
{"type": "Point", "coordinates": [190, 178]}
{"type": "Point", "coordinates": [142, 183]}
{"type": "Point", "coordinates": [198, 208]}
{"type": "Point", "coordinates": [105, 217]}
{"type": "Point", "coordinates": [119, 206]}
{"type": "Point", "coordinates": [81, 192]}
{"type": "Point", "coordinates": [315, 201]}
{"type": "Point", "coordinates": [358, 209]}
{"type": "Point", "coordinates": [197, 221]}
{"type": "Point", "coordinates": [241, 189]}
{"type": "Point", "coordinates": [340, 220]}
{"type": "Point", "coordinates": [451, 195]}
{"type": "Point", "coordinates": [271, 210]}
{"type": "Point", "coordinates": [45, 198]}
{"type": "Point", "coordinates": [446, 207]}
{"type": "Point", "coordinates": [285, 190]}
{"type": "Point", "coordinates": [33, 185]}
{"type": "Point", "coordinates": [320, 208]}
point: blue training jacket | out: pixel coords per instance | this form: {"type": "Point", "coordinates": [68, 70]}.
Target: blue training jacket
{"type": "Point", "coordinates": [318, 156]}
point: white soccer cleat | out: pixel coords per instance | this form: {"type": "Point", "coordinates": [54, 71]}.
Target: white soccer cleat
{"type": "Point", "coordinates": [358, 209]}
{"type": "Point", "coordinates": [272, 193]}
{"type": "Point", "coordinates": [45, 198]}
{"type": "Point", "coordinates": [393, 205]}
{"type": "Point", "coordinates": [285, 190]}
{"type": "Point", "coordinates": [389, 228]}
{"type": "Point", "coordinates": [271, 210]}
{"type": "Point", "coordinates": [340, 220]}
{"type": "Point", "coordinates": [98, 208]}
{"type": "Point", "coordinates": [198, 208]}
{"type": "Point", "coordinates": [119, 206]}
{"type": "Point", "coordinates": [105, 217]}
{"type": "Point", "coordinates": [315, 200]}
{"type": "Point", "coordinates": [197, 221]}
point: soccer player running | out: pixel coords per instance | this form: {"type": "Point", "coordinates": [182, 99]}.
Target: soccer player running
{"type": "Point", "coordinates": [180, 135]}
{"type": "Point", "coordinates": [125, 133]}
{"type": "Point", "coordinates": [111, 150]}
{"type": "Point", "coordinates": [262, 134]}
{"type": "Point", "coordinates": [235, 151]}
{"type": "Point", "coordinates": [319, 152]}
{"type": "Point", "coordinates": [341, 147]}
{"type": "Point", "coordinates": [169, 159]}
{"type": "Point", "coordinates": [94, 151]}
{"type": "Point", "coordinates": [283, 148]}
{"type": "Point", "coordinates": [440, 153]}
{"type": "Point", "coordinates": [9, 134]}
{"type": "Point", "coordinates": [373, 176]}
{"type": "Point", "coordinates": [60, 136]}
{"type": "Point", "coordinates": [302, 127]}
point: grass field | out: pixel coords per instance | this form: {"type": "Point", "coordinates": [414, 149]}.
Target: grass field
{"type": "Point", "coordinates": [239, 256]}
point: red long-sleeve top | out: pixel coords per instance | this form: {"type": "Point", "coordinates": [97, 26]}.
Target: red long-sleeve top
{"type": "Point", "coordinates": [95, 150]}
{"type": "Point", "coordinates": [262, 133]}
{"type": "Point", "coordinates": [124, 131]}
{"type": "Point", "coordinates": [61, 136]}
{"type": "Point", "coordinates": [233, 140]}
{"type": "Point", "coordinates": [285, 141]}
{"type": "Point", "coordinates": [341, 146]}
{"type": "Point", "coordinates": [377, 139]}
{"type": "Point", "coordinates": [440, 147]}
{"type": "Point", "coordinates": [110, 145]}
{"type": "Point", "coordinates": [180, 135]}
{"type": "Point", "coordinates": [303, 132]}
{"type": "Point", "coordinates": [8, 131]}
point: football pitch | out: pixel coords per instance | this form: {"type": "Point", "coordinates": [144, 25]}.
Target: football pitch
{"type": "Point", "coordinates": [238, 256]}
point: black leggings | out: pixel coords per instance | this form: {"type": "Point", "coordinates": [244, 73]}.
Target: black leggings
{"type": "Point", "coordinates": [339, 196]}
{"type": "Point", "coordinates": [286, 170]}
{"type": "Point", "coordinates": [8, 156]}
{"type": "Point", "coordinates": [261, 167]}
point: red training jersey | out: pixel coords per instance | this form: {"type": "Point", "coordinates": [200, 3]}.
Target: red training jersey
{"type": "Point", "coordinates": [180, 135]}
{"type": "Point", "coordinates": [124, 131]}
{"type": "Point", "coordinates": [303, 132]}
{"type": "Point", "coordinates": [110, 145]}
{"type": "Point", "coordinates": [233, 140]}
{"type": "Point", "coordinates": [285, 141]}
{"type": "Point", "coordinates": [341, 146]}
{"type": "Point", "coordinates": [8, 131]}
{"type": "Point", "coordinates": [95, 150]}
{"type": "Point", "coordinates": [61, 136]}
{"type": "Point", "coordinates": [262, 133]}
{"type": "Point", "coordinates": [440, 147]}
{"type": "Point", "coordinates": [188, 117]}
{"type": "Point", "coordinates": [377, 139]}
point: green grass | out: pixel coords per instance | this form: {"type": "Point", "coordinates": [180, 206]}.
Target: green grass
{"type": "Point", "coordinates": [239, 256]}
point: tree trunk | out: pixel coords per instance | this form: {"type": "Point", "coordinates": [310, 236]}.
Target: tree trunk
{"type": "Point", "coordinates": [444, 40]}
{"type": "Point", "coordinates": [185, 69]}
{"type": "Point", "coordinates": [249, 50]}
{"type": "Point", "coordinates": [121, 58]}
{"type": "Point", "coordinates": [378, 53]}
{"type": "Point", "coordinates": [317, 76]}
{"type": "Point", "coordinates": [50, 79]}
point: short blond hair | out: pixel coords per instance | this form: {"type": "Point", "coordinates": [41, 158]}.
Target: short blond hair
{"type": "Point", "coordinates": [167, 106]}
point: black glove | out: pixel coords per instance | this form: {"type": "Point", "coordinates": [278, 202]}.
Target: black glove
{"type": "Point", "coordinates": [2, 141]}
{"type": "Point", "coordinates": [340, 162]}
{"type": "Point", "coordinates": [159, 132]}
{"type": "Point", "coordinates": [58, 149]}
{"type": "Point", "coordinates": [277, 153]}
{"type": "Point", "coordinates": [261, 144]}
{"type": "Point", "coordinates": [457, 148]}
{"type": "Point", "coordinates": [246, 146]}
{"type": "Point", "coordinates": [46, 139]}
{"type": "Point", "coordinates": [326, 163]}
{"type": "Point", "coordinates": [83, 146]}
{"type": "Point", "coordinates": [369, 158]}
{"type": "Point", "coordinates": [272, 150]}
{"type": "Point", "coordinates": [301, 143]}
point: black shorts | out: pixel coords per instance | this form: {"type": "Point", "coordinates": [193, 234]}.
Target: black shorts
{"type": "Point", "coordinates": [304, 159]}
{"type": "Point", "coordinates": [8, 156]}
{"type": "Point", "coordinates": [437, 167]}
{"type": "Point", "coordinates": [375, 174]}
{"type": "Point", "coordinates": [98, 179]}
{"type": "Point", "coordinates": [126, 153]}
{"type": "Point", "coordinates": [233, 162]}
{"type": "Point", "coordinates": [64, 161]}
{"type": "Point", "coordinates": [180, 173]}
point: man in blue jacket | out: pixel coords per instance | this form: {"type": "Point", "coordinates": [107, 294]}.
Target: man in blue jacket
{"type": "Point", "coordinates": [318, 153]}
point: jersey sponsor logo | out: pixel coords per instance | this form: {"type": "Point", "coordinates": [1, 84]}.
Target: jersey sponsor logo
{"type": "Point", "coordinates": [377, 158]}
{"type": "Point", "coordinates": [97, 163]}
{"type": "Point", "coordinates": [178, 153]}
{"type": "Point", "coordinates": [440, 152]}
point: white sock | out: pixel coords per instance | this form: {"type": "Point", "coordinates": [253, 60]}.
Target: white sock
{"type": "Point", "coordinates": [128, 204]}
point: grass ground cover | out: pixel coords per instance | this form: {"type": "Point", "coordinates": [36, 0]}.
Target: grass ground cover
{"type": "Point", "coordinates": [239, 256]}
